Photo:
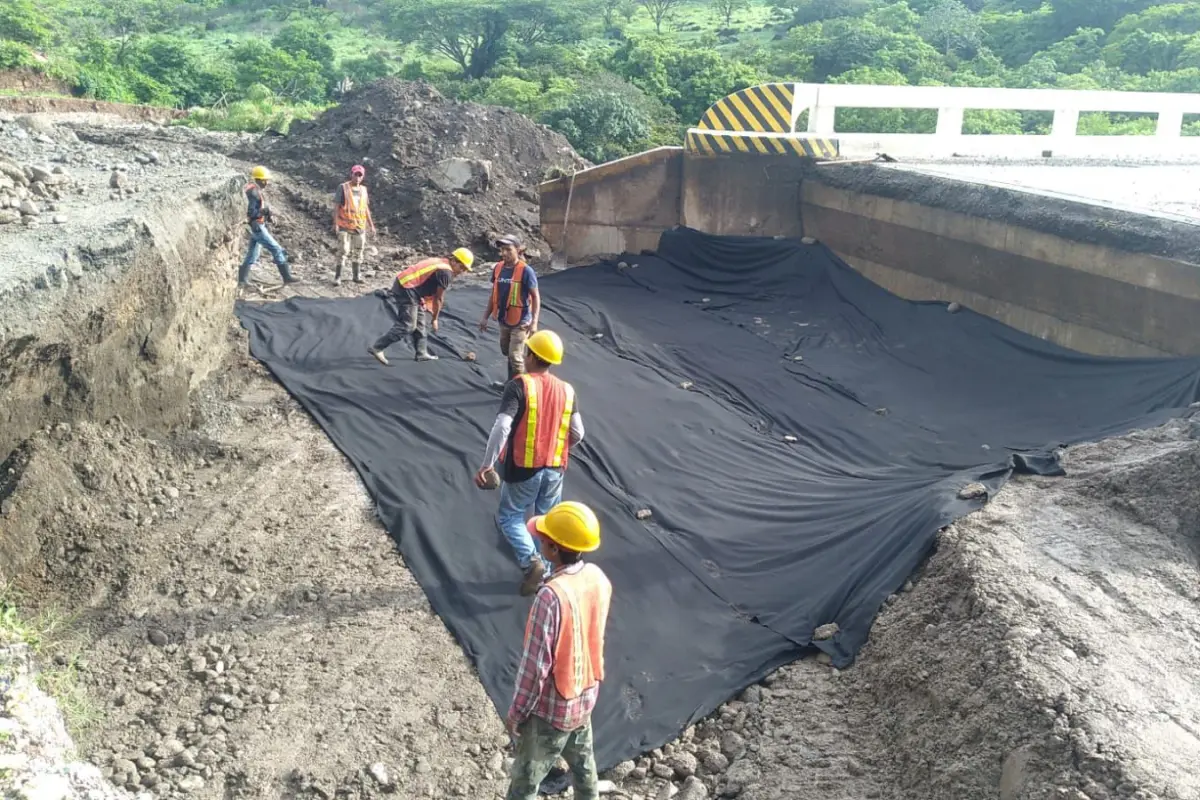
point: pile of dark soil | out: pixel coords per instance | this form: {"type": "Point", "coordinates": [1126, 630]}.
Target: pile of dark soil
{"type": "Point", "coordinates": [442, 173]}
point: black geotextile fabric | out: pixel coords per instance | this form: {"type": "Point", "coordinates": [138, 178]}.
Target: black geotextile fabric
{"type": "Point", "coordinates": [754, 541]}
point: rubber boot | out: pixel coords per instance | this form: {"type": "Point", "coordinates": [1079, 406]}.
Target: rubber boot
{"type": "Point", "coordinates": [337, 275]}
{"type": "Point", "coordinates": [421, 345]}
{"type": "Point", "coordinates": [379, 356]}
{"type": "Point", "coordinates": [357, 269]}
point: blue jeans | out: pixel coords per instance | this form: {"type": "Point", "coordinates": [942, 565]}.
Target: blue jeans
{"type": "Point", "coordinates": [260, 237]}
{"type": "Point", "coordinates": [543, 491]}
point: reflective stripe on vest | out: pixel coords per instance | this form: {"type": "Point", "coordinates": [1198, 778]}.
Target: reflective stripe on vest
{"type": "Point", "coordinates": [514, 308]}
{"type": "Point", "coordinates": [418, 273]}
{"type": "Point", "coordinates": [584, 598]}
{"type": "Point", "coordinates": [352, 215]}
{"type": "Point", "coordinates": [541, 437]}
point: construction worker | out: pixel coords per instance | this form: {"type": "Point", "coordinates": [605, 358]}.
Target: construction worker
{"type": "Point", "coordinates": [536, 426]}
{"type": "Point", "coordinates": [351, 216]}
{"type": "Point", "coordinates": [562, 664]}
{"type": "Point", "coordinates": [515, 302]}
{"type": "Point", "coordinates": [258, 214]}
{"type": "Point", "coordinates": [418, 293]}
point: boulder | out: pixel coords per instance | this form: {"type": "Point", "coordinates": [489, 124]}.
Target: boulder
{"type": "Point", "coordinates": [9, 215]}
{"type": "Point", "coordinates": [29, 208]}
{"type": "Point", "coordinates": [13, 173]}
{"type": "Point", "coordinates": [466, 175]}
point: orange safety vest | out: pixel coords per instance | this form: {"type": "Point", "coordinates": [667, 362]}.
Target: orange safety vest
{"type": "Point", "coordinates": [514, 307]}
{"type": "Point", "coordinates": [583, 599]}
{"type": "Point", "coordinates": [412, 277]}
{"type": "Point", "coordinates": [262, 197]}
{"type": "Point", "coordinates": [352, 216]}
{"type": "Point", "coordinates": [542, 436]}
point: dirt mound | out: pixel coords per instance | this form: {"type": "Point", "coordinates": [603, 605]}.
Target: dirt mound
{"type": "Point", "coordinates": [441, 173]}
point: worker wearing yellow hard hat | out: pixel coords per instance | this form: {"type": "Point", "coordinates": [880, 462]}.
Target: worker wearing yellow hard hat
{"type": "Point", "coordinates": [537, 424]}
{"type": "Point", "coordinates": [551, 715]}
{"type": "Point", "coordinates": [416, 298]}
{"type": "Point", "coordinates": [258, 215]}
{"type": "Point", "coordinates": [515, 301]}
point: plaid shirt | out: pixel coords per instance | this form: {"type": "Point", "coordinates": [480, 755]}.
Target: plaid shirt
{"type": "Point", "coordinates": [535, 694]}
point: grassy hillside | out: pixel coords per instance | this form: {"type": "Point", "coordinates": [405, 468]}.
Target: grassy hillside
{"type": "Point", "coordinates": [613, 75]}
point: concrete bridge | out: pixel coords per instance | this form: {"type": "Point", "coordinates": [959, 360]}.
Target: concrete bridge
{"type": "Point", "coordinates": [1089, 241]}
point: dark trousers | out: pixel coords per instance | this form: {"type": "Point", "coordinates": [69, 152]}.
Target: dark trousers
{"type": "Point", "coordinates": [411, 319]}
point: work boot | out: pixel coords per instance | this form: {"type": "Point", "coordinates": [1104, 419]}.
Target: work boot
{"type": "Point", "coordinates": [421, 345]}
{"type": "Point", "coordinates": [533, 577]}
{"type": "Point", "coordinates": [357, 276]}
{"type": "Point", "coordinates": [379, 356]}
{"type": "Point", "coordinates": [337, 275]}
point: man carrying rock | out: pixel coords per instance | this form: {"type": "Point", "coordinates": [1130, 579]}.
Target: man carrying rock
{"type": "Point", "coordinates": [515, 302]}
{"type": "Point", "coordinates": [562, 664]}
{"type": "Point", "coordinates": [258, 214]}
{"type": "Point", "coordinates": [419, 292]}
{"type": "Point", "coordinates": [536, 426]}
{"type": "Point", "coordinates": [351, 215]}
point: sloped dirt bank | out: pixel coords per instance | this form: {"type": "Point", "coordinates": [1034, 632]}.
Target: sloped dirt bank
{"type": "Point", "coordinates": [117, 308]}
{"type": "Point", "coordinates": [1049, 648]}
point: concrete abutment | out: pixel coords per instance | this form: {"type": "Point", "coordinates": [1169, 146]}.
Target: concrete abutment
{"type": "Point", "coordinates": [1092, 278]}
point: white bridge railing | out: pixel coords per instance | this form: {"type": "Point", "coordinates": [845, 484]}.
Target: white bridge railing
{"type": "Point", "coordinates": [822, 100]}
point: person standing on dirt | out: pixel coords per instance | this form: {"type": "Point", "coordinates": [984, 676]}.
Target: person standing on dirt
{"type": "Point", "coordinates": [536, 426]}
{"type": "Point", "coordinates": [562, 662]}
{"type": "Point", "coordinates": [417, 295]}
{"type": "Point", "coordinates": [516, 302]}
{"type": "Point", "coordinates": [258, 214]}
{"type": "Point", "coordinates": [351, 216]}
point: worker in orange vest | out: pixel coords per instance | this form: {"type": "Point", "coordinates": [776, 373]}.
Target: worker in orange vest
{"type": "Point", "coordinates": [536, 426]}
{"type": "Point", "coordinates": [515, 302]}
{"type": "Point", "coordinates": [417, 296]}
{"type": "Point", "coordinates": [562, 663]}
{"type": "Point", "coordinates": [351, 216]}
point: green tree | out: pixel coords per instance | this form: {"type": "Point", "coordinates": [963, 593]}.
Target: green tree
{"type": "Point", "coordinates": [294, 76]}
{"type": "Point", "coordinates": [725, 9]}
{"type": "Point", "coordinates": [304, 37]}
{"type": "Point", "coordinates": [476, 34]}
{"type": "Point", "coordinates": [601, 124]}
{"type": "Point", "coordinates": [22, 21]}
{"type": "Point", "coordinates": [126, 20]}
{"type": "Point", "coordinates": [661, 11]}
{"type": "Point", "coordinates": [688, 79]}
{"type": "Point", "coordinates": [951, 26]}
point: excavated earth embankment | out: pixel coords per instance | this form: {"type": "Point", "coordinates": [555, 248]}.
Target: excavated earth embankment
{"type": "Point", "coordinates": [115, 283]}
{"type": "Point", "coordinates": [244, 627]}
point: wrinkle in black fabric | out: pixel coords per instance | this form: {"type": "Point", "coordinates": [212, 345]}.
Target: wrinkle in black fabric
{"type": "Point", "coordinates": [754, 541]}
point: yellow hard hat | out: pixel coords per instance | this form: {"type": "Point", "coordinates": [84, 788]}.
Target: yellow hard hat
{"type": "Point", "coordinates": [571, 525]}
{"type": "Point", "coordinates": [547, 346]}
{"type": "Point", "coordinates": [465, 257]}
{"type": "Point", "coordinates": [260, 173]}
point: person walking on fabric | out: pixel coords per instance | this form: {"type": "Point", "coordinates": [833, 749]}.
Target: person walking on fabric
{"type": "Point", "coordinates": [515, 302]}
{"type": "Point", "coordinates": [538, 423]}
{"type": "Point", "coordinates": [562, 663]}
{"type": "Point", "coordinates": [258, 214]}
{"type": "Point", "coordinates": [417, 295]}
{"type": "Point", "coordinates": [351, 216]}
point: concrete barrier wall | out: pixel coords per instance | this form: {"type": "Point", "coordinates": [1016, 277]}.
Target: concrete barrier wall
{"type": "Point", "coordinates": [618, 207]}
{"type": "Point", "coordinates": [1096, 280]}
{"type": "Point", "coordinates": [740, 194]}
{"type": "Point", "coordinates": [1129, 287]}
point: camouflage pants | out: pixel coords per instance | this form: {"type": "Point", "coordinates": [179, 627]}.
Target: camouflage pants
{"type": "Point", "coordinates": [538, 749]}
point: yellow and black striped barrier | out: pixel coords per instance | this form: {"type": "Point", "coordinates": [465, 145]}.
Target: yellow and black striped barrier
{"type": "Point", "coordinates": [720, 143]}
{"type": "Point", "coordinates": [766, 108]}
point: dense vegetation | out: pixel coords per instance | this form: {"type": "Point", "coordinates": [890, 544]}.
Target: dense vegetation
{"type": "Point", "coordinates": [615, 76]}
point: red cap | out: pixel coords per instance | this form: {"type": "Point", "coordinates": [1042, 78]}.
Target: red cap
{"type": "Point", "coordinates": [359, 169]}
{"type": "Point", "coordinates": [531, 526]}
